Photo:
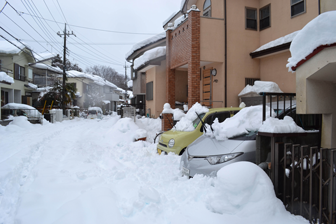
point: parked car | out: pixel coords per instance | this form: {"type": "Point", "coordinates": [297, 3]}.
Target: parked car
{"type": "Point", "coordinates": [207, 155]}
{"type": "Point", "coordinates": [18, 109]}
{"type": "Point", "coordinates": [177, 141]}
{"type": "Point", "coordinates": [94, 112]}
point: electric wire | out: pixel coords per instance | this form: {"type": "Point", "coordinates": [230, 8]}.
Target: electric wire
{"type": "Point", "coordinates": [51, 14]}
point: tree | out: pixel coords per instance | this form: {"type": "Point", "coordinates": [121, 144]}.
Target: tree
{"type": "Point", "coordinates": [58, 62]}
{"type": "Point", "coordinates": [55, 94]}
{"type": "Point", "coordinates": [109, 74]}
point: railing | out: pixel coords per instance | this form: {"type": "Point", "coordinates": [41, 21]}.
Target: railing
{"type": "Point", "coordinates": [286, 101]}
{"type": "Point", "coordinates": [304, 179]}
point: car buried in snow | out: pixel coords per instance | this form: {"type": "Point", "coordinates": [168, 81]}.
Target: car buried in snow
{"type": "Point", "coordinates": [177, 141]}
{"type": "Point", "coordinates": [94, 112]}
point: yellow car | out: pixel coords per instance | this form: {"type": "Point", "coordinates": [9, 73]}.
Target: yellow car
{"type": "Point", "coordinates": [177, 141]}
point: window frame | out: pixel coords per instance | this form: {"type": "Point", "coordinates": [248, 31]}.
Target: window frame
{"type": "Point", "coordinates": [18, 70]}
{"type": "Point", "coordinates": [256, 18]}
{"type": "Point", "coordinates": [207, 10]}
{"type": "Point", "coordinates": [304, 7]}
{"type": "Point", "coordinates": [269, 17]}
{"type": "Point", "coordinates": [149, 91]}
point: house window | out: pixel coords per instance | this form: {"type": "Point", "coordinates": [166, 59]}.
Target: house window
{"type": "Point", "coordinates": [207, 8]}
{"type": "Point", "coordinates": [298, 7]}
{"type": "Point", "coordinates": [251, 19]}
{"type": "Point", "coordinates": [250, 81]}
{"type": "Point", "coordinates": [30, 73]}
{"type": "Point", "coordinates": [265, 17]}
{"type": "Point", "coordinates": [19, 72]}
{"type": "Point", "coordinates": [149, 91]}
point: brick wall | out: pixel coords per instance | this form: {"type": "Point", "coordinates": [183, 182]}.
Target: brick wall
{"type": "Point", "coordinates": [183, 47]}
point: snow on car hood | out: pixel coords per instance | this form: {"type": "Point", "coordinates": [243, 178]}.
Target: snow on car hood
{"type": "Point", "coordinates": [206, 146]}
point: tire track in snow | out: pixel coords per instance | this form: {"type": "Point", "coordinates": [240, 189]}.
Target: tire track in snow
{"type": "Point", "coordinates": [13, 183]}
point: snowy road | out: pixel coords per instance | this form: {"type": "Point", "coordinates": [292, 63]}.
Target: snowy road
{"type": "Point", "coordinates": [91, 171]}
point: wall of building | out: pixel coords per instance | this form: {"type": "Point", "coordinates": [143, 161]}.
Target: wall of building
{"type": "Point", "coordinates": [181, 86]}
{"type": "Point", "coordinates": [327, 5]}
{"type": "Point", "coordinates": [273, 68]}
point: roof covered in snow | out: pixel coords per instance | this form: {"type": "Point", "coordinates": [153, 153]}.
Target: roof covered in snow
{"type": "Point", "coordinates": [46, 67]}
{"type": "Point", "coordinates": [95, 78]}
{"type": "Point", "coordinates": [6, 78]}
{"type": "Point", "coordinates": [8, 48]}
{"type": "Point", "coordinates": [145, 43]}
{"type": "Point", "coordinates": [261, 86]}
{"type": "Point", "coordinates": [282, 40]}
{"type": "Point", "coordinates": [149, 55]}
{"type": "Point", "coordinates": [318, 32]}
{"type": "Point", "coordinates": [44, 56]}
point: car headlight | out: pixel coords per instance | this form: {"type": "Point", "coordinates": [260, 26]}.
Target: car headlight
{"type": "Point", "coordinates": [213, 160]}
{"type": "Point", "coordinates": [171, 143]}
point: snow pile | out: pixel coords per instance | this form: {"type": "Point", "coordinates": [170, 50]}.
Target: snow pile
{"type": "Point", "coordinates": [186, 122]}
{"type": "Point", "coordinates": [152, 127]}
{"type": "Point", "coordinates": [149, 55]}
{"type": "Point", "coordinates": [245, 194]}
{"type": "Point", "coordinates": [275, 125]}
{"type": "Point", "coordinates": [320, 31]}
{"type": "Point", "coordinates": [140, 133]}
{"type": "Point", "coordinates": [6, 78]}
{"type": "Point", "coordinates": [261, 86]}
{"type": "Point", "coordinates": [8, 48]}
{"type": "Point", "coordinates": [91, 171]}
{"type": "Point", "coordinates": [146, 42]}
{"type": "Point", "coordinates": [17, 106]}
{"type": "Point", "coordinates": [31, 85]}
{"type": "Point", "coordinates": [130, 94]}
{"type": "Point", "coordinates": [169, 18]}
{"type": "Point", "coordinates": [247, 119]}
{"type": "Point", "coordinates": [177, 113]}
{"type": "Point", "coordinates": [167, 109]}
{"type": "Point", "coordinates": [282, 40]}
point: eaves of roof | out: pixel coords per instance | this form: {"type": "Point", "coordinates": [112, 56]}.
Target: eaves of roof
{"type": "Point", "coordinates": [140, 51]}
{"type": "Point", "coordinates": [315, 52]}
{"type": "Point", "coordinates": [271, 50]}
{"type": "Point", "coordinates": [155, 61]}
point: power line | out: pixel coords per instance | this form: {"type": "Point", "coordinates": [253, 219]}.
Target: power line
{"type": "Point", "coordinates": [71, 43]}
{"type": "Point", "coordinates": [90, 28]}
{"type": "Point", "coordinates": [51, 14]}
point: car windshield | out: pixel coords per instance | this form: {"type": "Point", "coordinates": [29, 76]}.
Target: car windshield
{"type": "Point", "coordinates": [92, 112]}
{"type": "Point", "coordinates": [251, 135]}
{"type": "Point", "coordinates": [198, 120]}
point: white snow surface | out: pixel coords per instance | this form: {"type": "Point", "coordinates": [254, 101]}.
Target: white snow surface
{"type": "Point", "coordinates": [6, 78]}
{"type": "Point", "coordinates": [91, 171]}
{"type": "Point", "coordinates": [31, 85]}
{"type": "Point", "coordinates": [8, 48]}
{"type": "Point", "coordinates": [282, 40]}
{"type": "Point", "coordinates": [178, 114]}
{"type": "Point", "coordinates": [186, 122]}
{"type": "Point", "coordinates": [320, 31]}
{"type": "Point", "coordinates": [18, 106]}
{"type": "Point", "coordinates": [261, 86]}
{"type": "Point", "coordinates": [169, 18]}
{"type": "Point", "coordinates": [44, 55]}
{"type": "Point", "coordinates": [96, 108]}
{"type": "Point", "coordinates": [145, 43]}
{"type": "Point", "coordinates": [149, 55]}
{"type": "Point", "coordinates": [180, 20]}
{"type": "Point", "coordinates": [275, 125]}
{"type": "Point", "coordinates": [247, 119]}
{"type": "Point", "coordinates": [46, 67]}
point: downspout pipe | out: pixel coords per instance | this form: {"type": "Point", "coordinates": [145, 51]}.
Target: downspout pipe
{"type": "Point", "coordinates": [319, 7]}
{"type": "Point", "coordinates": [225, 55]}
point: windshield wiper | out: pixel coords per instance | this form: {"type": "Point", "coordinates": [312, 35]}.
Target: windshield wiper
{"type": "Point", "coordinates": [203, 125]}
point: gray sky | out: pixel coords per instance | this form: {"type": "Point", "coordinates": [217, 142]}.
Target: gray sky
{"type": "Point", "coordinates": [90, 47]}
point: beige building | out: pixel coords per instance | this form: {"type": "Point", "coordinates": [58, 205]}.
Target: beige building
{"type": "Point", "coordinates": [218, 47]}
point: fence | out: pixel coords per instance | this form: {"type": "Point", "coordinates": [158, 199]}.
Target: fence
{"type": "Point", "coordinates": [129, 112]}
{"type": "Point", "coordinates": [304, 179]}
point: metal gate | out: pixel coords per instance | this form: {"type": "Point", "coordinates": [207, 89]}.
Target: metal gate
{"type": "Point", "coordinates": [305, 180]}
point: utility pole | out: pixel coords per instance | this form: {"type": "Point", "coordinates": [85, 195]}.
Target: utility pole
{"type": "Point", "coordinates": [65, 34]}
{"type": "Point", "coordinates": [126, 67]}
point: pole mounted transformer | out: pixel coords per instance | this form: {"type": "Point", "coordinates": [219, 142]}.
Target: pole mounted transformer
{"type": "Point", "coordinates": [65, 34]}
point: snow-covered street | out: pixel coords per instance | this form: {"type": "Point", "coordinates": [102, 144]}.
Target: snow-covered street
{"type": "Point", "coordinates": [92, 171]}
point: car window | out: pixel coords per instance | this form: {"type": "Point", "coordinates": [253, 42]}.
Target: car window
{"type": "Point", "coordinates": [251, 135]}
{"type": "Point", "coordinates": [92, 112]}
{"type": "Point", "coordinates": [197, 120]}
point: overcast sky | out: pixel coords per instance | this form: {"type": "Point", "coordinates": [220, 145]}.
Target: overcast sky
{"type": "Point", "coordinates": [90, 47]}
